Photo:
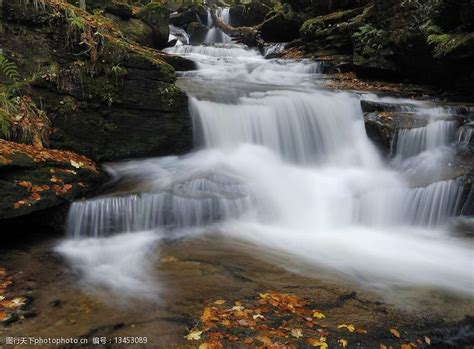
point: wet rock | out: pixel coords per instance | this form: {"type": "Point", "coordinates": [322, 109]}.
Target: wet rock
{"type": "Point", "coordinates": [248, 15]}
{"type": "Point", "coordinates": [135, 30]}
{"type": "Point", "coordinates": [184, 17]}
{"type": "Point", "coordinates": [197, 33]}
{"type": "Point", "coordinates": [157, 17]}
{"type": "Point", "coordinates": [35, 179]}
{"type": "Point", "coordinates": [271, 28]}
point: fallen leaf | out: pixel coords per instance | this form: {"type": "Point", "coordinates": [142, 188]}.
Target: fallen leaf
{"type": "Point", "coordinates": [343, 342]}
{"type": "Point", "coordinates": [350, 328]}
{"type": "Point", "coordinates": [381, 346]}
{"type": "Point", "coordinates": [297, 332]}
{"type": "Point", "coordinates": [258, 316]}
{"type": "Point", "coordinates": [405, 346]}
{"type": "Point", "coordinates": [219, 301]}
{"type": "Point", "coordinates": [76, 164]}
{"type": "Point", "coordinates": [24, 184]}
{"type": "Point", "coordinates": [193, 336]}
{"type": "Point", "coordinates": [207, 314]}
{"type": "Point", "coordinates": [3, 316]}
{"type": "Point", "coordinates": [318, 315]}
{"type": "Point", "coordinates": [168, 259]}
{"type": "Point", "coordinates": [395, 333]}
{"type": "Point", "coordinates": [427, 340]}
{"type": "Point", "coordinates": [264, 339]}
{"type": "Point", "coordinates": [248, 341]}
{"type": "Point", "coordinates": [320, 343]}
{"type": "Point", "coordinates": [211, 345]}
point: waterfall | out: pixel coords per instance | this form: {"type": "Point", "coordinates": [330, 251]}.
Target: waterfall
{"type": "Point", "coordinates": [410, 142]}
{"type": "Point", "coordinates": [287, 167]}
{"type": "Point", "coordinates": [464, 135]}
{"type": "Point", "coordinates": [215, 35]}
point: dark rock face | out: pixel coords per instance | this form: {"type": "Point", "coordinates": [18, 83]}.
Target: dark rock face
{"type": "Point", "coordinates": [197, 33]}
{"type": "Point", "coordinates": [248, 15]}
{"type": "Point", "coordinates": [184, 17]}
{"type": "Point", "coordinates": [272, 31]}
{"type": "Point", "coordinates": [425, 41]}
{"type": "Point", "coordinates": [134, 29]}
{"type": "Point", "coordinates": [157, 17]}
{"type": "Point", "coordinates": [124, 105]}
{"type": "Point", "coordinates": [33, 179]}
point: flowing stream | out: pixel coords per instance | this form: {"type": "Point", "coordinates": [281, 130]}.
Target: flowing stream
{"type": "Point", "coordinates": [285, 167]}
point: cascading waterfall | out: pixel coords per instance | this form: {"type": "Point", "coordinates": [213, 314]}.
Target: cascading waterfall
{"type": "Point", "coordinates": [288, 167]}
{"type": "Point", "coordinates": [215, 35]}
{"type": "Point", "coordinates": [410, 142]}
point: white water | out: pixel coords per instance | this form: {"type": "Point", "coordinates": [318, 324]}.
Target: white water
{"type": "Point", "coordinates": [215, 35]}
{"type": "Point", "coordinates": [288, 168]}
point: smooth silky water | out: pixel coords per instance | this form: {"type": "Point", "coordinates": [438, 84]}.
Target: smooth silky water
{"type": "Point", "coordinates": [285, 170]}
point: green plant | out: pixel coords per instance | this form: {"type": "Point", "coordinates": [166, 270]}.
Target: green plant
{"type": "Point", "coordinates": [9, 69]}
{"type": "Point", "coordinates": [20, 119]}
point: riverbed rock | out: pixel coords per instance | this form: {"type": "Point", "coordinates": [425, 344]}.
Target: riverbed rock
{"type": "Point", "coordinates": [197, 33]}
{"type": "Point", "coordinates": [157, 17]}
{"type": "Point", "coordinates": [185, 16]}
{"type": "Point", "coordinates": [35, 179]}
{"type": "Point", "coordinates": [248, 15]}
{"type": "Point", "coordinates": [280, 27]}
{"type": "Point", "coordinates": [134, 29]}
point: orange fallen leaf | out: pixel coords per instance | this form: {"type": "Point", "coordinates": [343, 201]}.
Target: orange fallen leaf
{"type": "Point", "coordinates": [207, 314]}
{"type": "Point", "coordinates": [3, 316]}
{"type": "Point", "coordinates": [395, 333]}
{"type": "Point", "coordinates": [264, 339]}
{"type": "Point", "coordinates": [405, 346]}
{"type": "Point", "coordinates": [381, 346]}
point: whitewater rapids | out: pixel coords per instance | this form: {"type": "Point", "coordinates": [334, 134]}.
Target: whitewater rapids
{"type": "Point", "coordinates": [287, 168]}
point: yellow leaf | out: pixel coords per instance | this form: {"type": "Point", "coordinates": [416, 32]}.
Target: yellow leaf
{"type": "Point", "coordinates": [343, 342]}
{"type": "Point", "coordinates": [207, 314]}
{"type": "Point", "coordinates": [219, 302]}
{"type": "Point", "coordinates": [321, 343]}
{"type": "Point", "coordinates": [395, 333]}
{"type": "Point", "coordinates": [258, 316]}
{"type": "Point", "coordinates": [427, 340]}
{"type": "Point", "coordinates": [319, 315]}
{"type": "Point", "coordinates": [297, 332]}
{"type": "Point", "coordinates": [265, 340]}
{"type": "Point", "coordinates": [350, 328]}
{"type": "Point", "coordinates": [193, 336]}
{"type": "Point", "coordinates": [76, 164]}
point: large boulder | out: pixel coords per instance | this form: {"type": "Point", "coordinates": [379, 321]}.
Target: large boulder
{"type": "Point", "coordinates": [185, 16]}
{"type": "Point", "coordinates": [331, 34]}
{"type": "Point", "coordinates": [280, 28]}
{"type": "Point", "coordinates": [157, 17]}
{"type": "Point", "coordinates": [248, 15]}
{"type": "Point", "coordinates": [197, 33]}
{"type": "Point", "coordinates": [134, 29]}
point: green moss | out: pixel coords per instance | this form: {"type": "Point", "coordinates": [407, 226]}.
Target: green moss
{"type": "Point", "coordinates": [456, 45]}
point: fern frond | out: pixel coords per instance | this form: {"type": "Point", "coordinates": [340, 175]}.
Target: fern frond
{"type": "Point", "coordinates": [9, 69]}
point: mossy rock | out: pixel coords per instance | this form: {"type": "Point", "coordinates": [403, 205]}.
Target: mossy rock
{"type": "Point", "coordinates": [452, 46]}
{"type": "Point", "coordinates": [157, 17]}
